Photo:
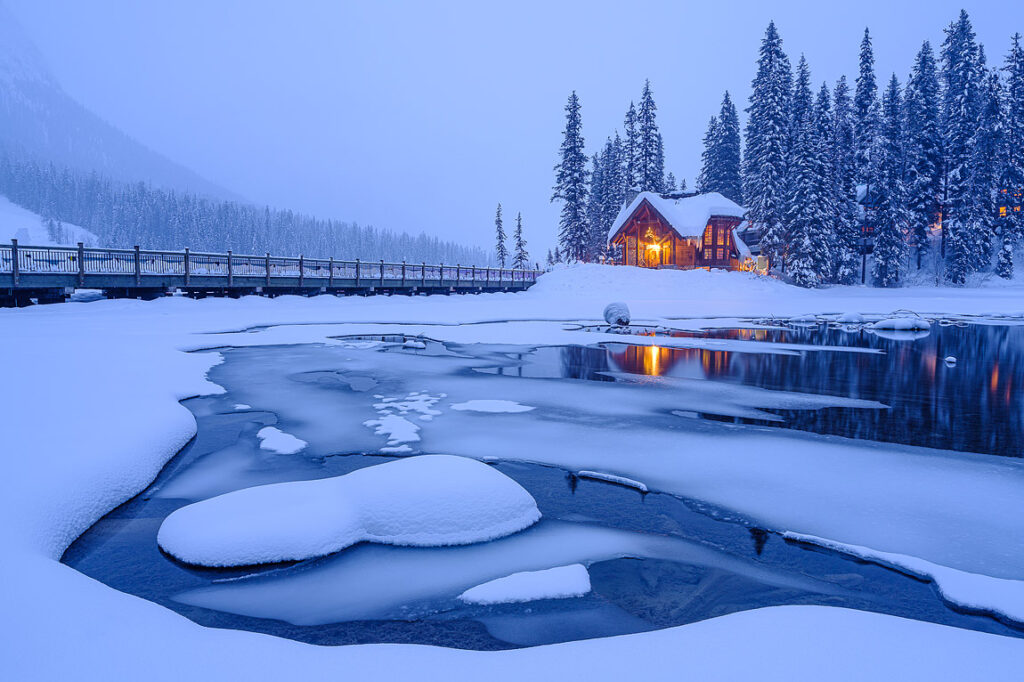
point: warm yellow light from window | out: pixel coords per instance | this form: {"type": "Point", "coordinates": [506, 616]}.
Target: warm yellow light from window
{"type": "Point", "coordinates": [1002, 211]}
{"type": "Point", "coordinates": [654, 247]}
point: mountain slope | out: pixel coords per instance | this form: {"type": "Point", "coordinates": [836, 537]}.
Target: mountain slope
{"type": "Point", "coordinates": [39, 121]}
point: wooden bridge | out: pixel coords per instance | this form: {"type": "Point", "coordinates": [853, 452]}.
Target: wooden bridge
{"type": "Point", "coordinates": [49, 274]}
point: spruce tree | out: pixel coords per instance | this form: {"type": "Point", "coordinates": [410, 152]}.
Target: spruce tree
{"type": "Point", "coordinates": [706, 178]}
{"type": "Point", "coordinates": [595, 208]}
{"type": "Point", "coordinates": [650, 153]}
{"type": "Point", "coordinates": [729, 174]}
{"type": "Point", "coordinates": [865, 109]}
{"type": "Point", "coordinates": [571, 186]}
{"type": "Point", "coordinates": [887, 160]}
{"type": "Point", "coordinates": [631, 150]}
{"type": "Point", "coordinates": [520, 259]}
{"type": "Point", "coordinates": [670, 182]}
{"type": "Point", "coordinates": [987, 170]}
{"type": "Point", "coordinates": [924, 149]}
{"type": "Point", "coordinates": [767, 142]}
{"type": "Point", "coordinates": [843, 172]}
{"type": "Point", "coordinates": [960, 120]}
{"type": "Point", "coordinates": [500, 252]}
{"type": "Point", "coordinates": [805, 210]}
{"type": "Point", "coordinates": [1011, 185]}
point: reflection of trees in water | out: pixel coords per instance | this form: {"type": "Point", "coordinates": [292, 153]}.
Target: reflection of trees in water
{"type": "Point", "coordinates": [975, 406]}
{"type": "Point", "coordinates": [580, 362]}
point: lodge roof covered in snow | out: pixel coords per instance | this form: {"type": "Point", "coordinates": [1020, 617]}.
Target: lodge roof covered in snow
{"type": "Point", "coordinates": [687, 215]}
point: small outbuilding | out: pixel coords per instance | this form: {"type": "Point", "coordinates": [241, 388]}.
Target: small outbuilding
{"type": "Point", "coordinates": [680, 231]}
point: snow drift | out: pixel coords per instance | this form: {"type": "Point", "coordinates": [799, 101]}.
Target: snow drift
{"type": "Point", "coordinates": [432, 500]}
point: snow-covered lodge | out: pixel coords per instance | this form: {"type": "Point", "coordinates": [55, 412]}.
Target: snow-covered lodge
{"type": "Point", "coordinates": [681, 230]}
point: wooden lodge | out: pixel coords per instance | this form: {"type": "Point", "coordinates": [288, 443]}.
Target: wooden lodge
{"type": "Point", "coordinates": [681, 231]}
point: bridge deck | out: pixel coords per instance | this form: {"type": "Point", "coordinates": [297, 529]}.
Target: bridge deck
{"type": "Point", "coordinates": [49, 273]}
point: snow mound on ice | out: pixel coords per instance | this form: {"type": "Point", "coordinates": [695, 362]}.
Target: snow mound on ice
{"type": "Point", "coordinates": [902, 324]}
{"type": "Point", "coordinates": [971, 591]}
{"type": "Point", "coordinates": [492, 406]}
{"type": "Point", "coordinates": [433, 500]}
{"type": "Point", "coordinates": [850, 318]}
{"type": "Point", "coordinates": [617, 314]}
{"type": "Point", "coordinates": [612, 478]}
{"type": "Point", "coordinates": [276, 440]}
{"type": "Point", "coordinates": [561, 582]}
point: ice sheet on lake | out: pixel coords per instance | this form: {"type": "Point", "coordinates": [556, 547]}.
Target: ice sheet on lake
{"type": "Point", "coordinates": [560, 582]}
{"type": "Point", "coordinates": [433, 500]}
{"type": "Point", "coordinates": [373, 581]}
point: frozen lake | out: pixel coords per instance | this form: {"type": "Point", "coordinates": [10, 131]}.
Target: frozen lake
{"type": "Point", "coordinates": [655, 559]}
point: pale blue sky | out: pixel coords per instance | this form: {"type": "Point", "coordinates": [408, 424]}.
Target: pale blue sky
{"type": "Point", "coordinates": [424, 115]}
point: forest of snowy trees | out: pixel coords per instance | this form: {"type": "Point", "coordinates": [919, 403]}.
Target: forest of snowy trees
{"type": "Point", "coordinates": [123, 215]}
{"type": "Point", "coordinates": [944, 149]}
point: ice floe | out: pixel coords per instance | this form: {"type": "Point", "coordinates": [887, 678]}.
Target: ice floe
{"type": "Point", "coordinates": [276, 440]}
{"type": "Point", "coordinates": [560, 582]}
{"type": "Point", "coordinates": [433, 500]}
{"type": "Point", "coordinates": [491, 406]}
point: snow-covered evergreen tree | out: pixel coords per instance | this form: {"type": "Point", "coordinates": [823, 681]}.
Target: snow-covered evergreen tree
{"type": "Point", "coordinates": [706, 177]}
{"type": "Point", "coordinates": [844, 182]}
{"type": "Point", "coordinates": [888, 191]}
{"type": "Point", "coordinates": [571, 186]}
{"type": "Point", "coordinates": [682, 185]}
{"type": "Point", "coordinates": [1011, 184]}
{"type": "Point", "coordinates": [987, 169]}
{"type": "Point", "coordinates": [551, 258]}
{"type": "Point", "coordinates": [631, 149]}
{"type": "Point", "coordinates": [670, 182]}
{"type": "Point", "coordinates": [865, 110]}
{"type": "Point", "coordinates": [924, 149]}
{"type": "Point", "coordinates": [650, 153]}
{"type": "Point", "coordinates": [520, 258]}
{"type": "Point", "coordinates": [767, 141]}
{"type": "Point", "coordinates": [595, 208]}
{"type": "Point", "coordinates": [720, 162]}
{"type": "Point", "coordinates": [806, 210]}
{"type": "Point", "coordinates": [960, 120]}
{"type": "Point", "coordinates": [500, 250]}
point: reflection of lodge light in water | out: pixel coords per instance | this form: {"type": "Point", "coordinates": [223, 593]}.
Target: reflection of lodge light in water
{"type": "Point", "coordinates": [993, 384]}
{"type": "Point", "coordinates": [652, 364]}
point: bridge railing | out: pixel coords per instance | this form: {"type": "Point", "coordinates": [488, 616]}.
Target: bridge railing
{"type": "Point", "coordinates": [28, 260]}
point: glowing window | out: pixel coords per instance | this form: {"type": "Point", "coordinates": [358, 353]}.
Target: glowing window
{"type": "Point", "coordinates": [707, 254]}
{"type": "Point", "coordinates": [707, 237]}
{"type": "Point", "coordinates": [1002, 211]}
{"type": "Point", "coordinates": [721, 237]}
{"type": "Point", "coordinates": [720, 254]}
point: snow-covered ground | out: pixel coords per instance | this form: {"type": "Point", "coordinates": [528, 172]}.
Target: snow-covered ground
{"type": "Point", "coordinates": [30, 229]}
{"type": "Point", "coordinates": [91, 413]}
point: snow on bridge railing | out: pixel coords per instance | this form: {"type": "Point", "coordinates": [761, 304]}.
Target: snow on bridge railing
{"type": "Point", "coordinates": [28, 260]}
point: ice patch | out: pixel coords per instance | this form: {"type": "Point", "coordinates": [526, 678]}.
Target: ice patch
{"type": "Point", "coordinates": [902, 324]}
{"type": "Point", "coordinates": [561, 582]}
{"type": "Point", "coordinates": [396, 427]}
{"type": "Point", "coordinates": [242, 406]}
{"type": "Point", "coordinates": [433, 500]}
{"type": "Point", "coordinates": [612, 478]}
{"type": "Point", "coordinates": [972, 591]}
{"type": "Point", "coordinates": [492, 406]}
{"type": "Point", "coordinates": [276, 440]}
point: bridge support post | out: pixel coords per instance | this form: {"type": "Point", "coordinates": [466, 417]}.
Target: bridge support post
{"type": "Point", "coordinates": [403, 272]}
{"type": "Point", "coordinates": [382, 272]}
{"type": "Point", "coordinates": [81, 264]}
{"type": "Point", "coordinates": [474, 274]}
{"type": "Point", "coordinates": [458, 275]}
{"type": "Point", "coordinates": [231, 271]}
{"type": "Point", "coordinates": [188, 269]}
{"type": "Point", "coordinates": [302, 275]}
{"type": "Point", "coordinates": [15, 270]}
{"type": "Point", "coordinates": [330, 275]}
{"type": "Point", "coordinates": [138, 267]}
{"type": "Point", "coordinates": [357, 272]}
{"type": "Point", "coordinates": [267, 274]}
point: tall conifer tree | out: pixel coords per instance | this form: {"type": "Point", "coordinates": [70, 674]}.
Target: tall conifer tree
{"type": "Point", "coordinates": [842, 158]}
{"type": "Point", "coordinates": [889, 194]}
{"type": "Point", "coordinates": [865, 109]}
{"type": "Point", "coordinates": [571, 177]}
{"type": "Point", "coordinates": [767, 145]}
{"type": "Point", "coordinates": [500, 250]}
{"type": "Point", "coordinates": [924, 149]}
{"type": "Point", "coordinates": [520, 258]}
{"type": "Point", "coordinates": [1011, 185]}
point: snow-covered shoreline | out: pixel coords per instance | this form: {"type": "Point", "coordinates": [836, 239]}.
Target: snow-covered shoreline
{"type": "Point", "coordinates": [93, 414]}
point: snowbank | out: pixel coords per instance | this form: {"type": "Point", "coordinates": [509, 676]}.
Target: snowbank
{"type": "Point", "coordinates": [612, 478]}
{"type": "Point", "coordinates": [276, 440]}
{"type": "Point", "coordinates": [970, 591]}
{"type": "Point", "coordinates": [433, 500]}
{"type": "Point", "coordinates": [561, 582]}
